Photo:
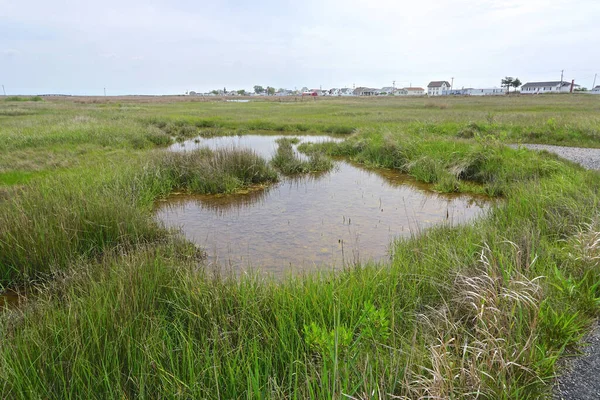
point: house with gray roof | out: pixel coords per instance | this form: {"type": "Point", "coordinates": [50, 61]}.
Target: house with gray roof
{"type": "Point", "coordinates": [595, 90]}
{"type": "Point", "coordinates": [364, 91]}
{"type": "Point", "coordinates": [436, 88]}
{"type": "Point", "coordinates": [547, 87]}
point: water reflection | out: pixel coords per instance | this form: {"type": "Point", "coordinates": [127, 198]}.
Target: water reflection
{"type": "Point", "coordinates": [264, 145]}
{"type": "Point", "coordinates": [348, 215]}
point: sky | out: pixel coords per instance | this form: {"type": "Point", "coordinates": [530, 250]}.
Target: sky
{"type": "Point", "coordinates": [80, 47]}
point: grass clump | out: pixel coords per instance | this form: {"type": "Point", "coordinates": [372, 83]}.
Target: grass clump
{"type": "Point", "coordinates": [452, 165]}
{"type": "Point", "coordinates": [216, 171]}
{"type": "Point", "coordinates": [288, 163]}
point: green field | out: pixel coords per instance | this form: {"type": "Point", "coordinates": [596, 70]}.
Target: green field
{"type": "Point", "coordinates": [115, 306]}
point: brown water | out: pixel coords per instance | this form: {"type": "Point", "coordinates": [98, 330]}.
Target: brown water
{"type": "Point", "coordinates": [327, 221]}
{"type": "Point", "coordinates": [9, 298]}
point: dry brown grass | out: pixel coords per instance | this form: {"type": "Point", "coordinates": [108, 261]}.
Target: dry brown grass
{"type": "Point", "coordinates": [474, 350]}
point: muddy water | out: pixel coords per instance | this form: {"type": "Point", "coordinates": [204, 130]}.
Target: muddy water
{"type": "Point", "coordinates": [328, 221]}
{"type": "Point", "coordinates": [9, 298]}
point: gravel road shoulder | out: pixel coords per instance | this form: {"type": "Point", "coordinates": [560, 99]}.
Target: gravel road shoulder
{"type": "Point", "coordinates": [588, 158]}
{"type": "Point", "coordinates": [580, 378]}
{"type": "Point", "coordinates": [580, 375]}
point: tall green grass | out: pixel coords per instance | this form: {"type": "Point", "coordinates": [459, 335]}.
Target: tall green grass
{"type": "Point", "coordinates": [289, 163]}
{"type": "Point", "coordinates": [126, 310]}
{"type": "Point", "coordinates": [57, 221]}
{"type": "Point", "coordinates": [485, 308]}
{"type": "Point", "coordinates": [451, 165]}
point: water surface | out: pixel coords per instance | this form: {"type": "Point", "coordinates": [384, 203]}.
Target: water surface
{"type": "Point", "coordinates": [322, 221]}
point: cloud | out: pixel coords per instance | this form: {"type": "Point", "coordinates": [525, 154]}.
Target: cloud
{"type": "Point", "coordinates": [187, 45]}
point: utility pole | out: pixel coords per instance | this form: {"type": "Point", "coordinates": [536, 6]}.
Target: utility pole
{"type": "Point", "coordinates": [593, 85]}
{"type": "Point", "coordinates": [3, 90]}
{"type": "Point", "coordinates": [104, 92]}
{"type": "Point", "coordinates": [452, 84]}
{"type": "Point", "coordinates": [393, 86]}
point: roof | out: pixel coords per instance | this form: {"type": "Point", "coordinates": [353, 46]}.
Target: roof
{"type": "Point", "coordinates": [551, 83]}
{"type": "Point", "coordinates": [437, 83]}
{"type": "Point", "coordinates": [413, 88]}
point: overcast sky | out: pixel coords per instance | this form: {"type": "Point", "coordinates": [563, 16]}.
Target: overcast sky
{"type": "Point", "coordinates": [172, 46]}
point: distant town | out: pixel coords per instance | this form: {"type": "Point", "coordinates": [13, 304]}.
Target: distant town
{"type": "Point", "coordinates": [434, 88]}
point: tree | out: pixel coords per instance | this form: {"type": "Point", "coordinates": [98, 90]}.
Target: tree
{"type": "Point", "coordinates": [516, 83]}
{"type": "Point", "coordinates": [507, 82]}
{"type": "Point", "coordinates": [241, 92]}
{"type": "Point", "coordinates": [270, 90]}
{"type": "Point", "coordinates": [259, 89]}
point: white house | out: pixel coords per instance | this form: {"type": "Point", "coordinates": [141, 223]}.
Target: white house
{"type": "Point", "coordinates": [414, 91]}
{"type": "Point", "coordinates": [547, 87]}
{"type": "Point", "coordinates": [385, 91]}
{"type": "Point", "coordinates": [485, 92]}
{"type": "Point", "coordinates": [595, 90]}
{"type": "Point", "coordinates": [346, 92]}
{"type": "Point", "coordinates": [334, 92]}
{"type": "Point", "coordinates": [435, 88]}
{"type": "Point", "coordinates": [400, 92]}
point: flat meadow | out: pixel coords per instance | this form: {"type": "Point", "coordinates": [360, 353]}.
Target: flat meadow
{"type": "Point", "coordinates": [110, 304]}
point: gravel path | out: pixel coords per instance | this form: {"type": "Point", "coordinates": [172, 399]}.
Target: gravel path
{"type": "Point", "coordinates": [588, 158]}
{"type": "Point", "coordinates": [581, 375]}
{"type": "Point", "coordinates": [580, 378]}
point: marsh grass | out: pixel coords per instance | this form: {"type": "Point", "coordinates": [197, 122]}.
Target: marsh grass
{"type": "Point", "coordinates": [288, 163]}
{"type": "Point", "coordinates": [124, 310]}
{"type": "Point", "coordinates": [22, 98]}
{"type": "Point", "coordinates": [56, 221]}
{"type": "Point", "coordinates": [487, 321]}
{"type": "Point", "coordinates": [451, 165]}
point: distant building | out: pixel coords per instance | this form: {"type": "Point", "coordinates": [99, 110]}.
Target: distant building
{"type": "Point", "coordinates": [284, 92]}
{"type": "Point", "coordinates": [474, 92]}
{"type": "Point", "coordinates": [364, 91]}
{"type": "Point", "coordinates": [595, 90]}
{"type": "Point", "coordinates": [346, 92]}
{"type": "Point", "coordinates": [400, 92]}
{"type": "Point", "coordinates": [435, 88]}
{"type": "Point", "coordinates": [487, 92]}
{"type": "Point", "coordinates": [415, 91]}
{"type": "Point", "coordinates": [547, 87]}
{"type": "Point", "coordinates": [457, 92]}
{"type": "Point", "coordinates": [385, 91]}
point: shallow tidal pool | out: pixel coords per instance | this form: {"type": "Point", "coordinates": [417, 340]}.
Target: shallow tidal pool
{"type": "Point", "coordinates": [323, 221]}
